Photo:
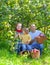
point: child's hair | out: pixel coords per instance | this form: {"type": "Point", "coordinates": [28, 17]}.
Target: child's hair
{"type": "Point", "coordinates": [26, 30]}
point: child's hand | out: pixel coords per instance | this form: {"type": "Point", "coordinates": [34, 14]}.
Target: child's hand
{"type": "Point", "coordinates": [27, 42]}
{"type": "Point", "coordinates": [18, 34]}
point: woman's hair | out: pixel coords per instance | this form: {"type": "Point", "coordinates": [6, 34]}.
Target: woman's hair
{"type": "Point", "coordinates": [17, 25]}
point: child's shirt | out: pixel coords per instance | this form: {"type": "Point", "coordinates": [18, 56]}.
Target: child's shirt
{"type": "Point", "coordinates": [25, 38]}
{"type": "Point", "coordinates": [18, 31]}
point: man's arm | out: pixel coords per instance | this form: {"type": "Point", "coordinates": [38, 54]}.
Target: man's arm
{"type": "Point", "coordinates": [39, 39]}
{"type": "Point", "coordinates": [32, 41]}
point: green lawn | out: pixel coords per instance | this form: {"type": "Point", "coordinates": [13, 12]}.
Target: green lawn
{"type": "Point", "coordinates": [8, 58]}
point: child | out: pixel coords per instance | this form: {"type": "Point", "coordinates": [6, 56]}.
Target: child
{"type": "Point", "coordinates": [25, 37]}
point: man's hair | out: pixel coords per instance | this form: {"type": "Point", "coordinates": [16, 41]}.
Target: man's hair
{"type": "Point", "coordinates": [33, 25]}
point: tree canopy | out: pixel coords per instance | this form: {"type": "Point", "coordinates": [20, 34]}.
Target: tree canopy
{"type": "Point", "coordinates": [26, 12]}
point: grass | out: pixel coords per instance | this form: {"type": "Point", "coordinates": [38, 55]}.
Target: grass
{"type": "Point", "coordinates": [8, 58]}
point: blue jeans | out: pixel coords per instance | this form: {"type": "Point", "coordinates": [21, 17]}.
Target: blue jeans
{"type": "Point", "coordinates": [41, 48]}
{"type": "Point", "coordinates": [18, 47]}
{"type": "Point", "coordinates": [23, 47]}
{"type": "Point", "coordinates": [26, 47]}
{"type": "Point", "coordinates": [37, 46]}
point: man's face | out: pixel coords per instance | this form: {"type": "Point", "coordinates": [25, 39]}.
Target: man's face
{"type": "Point", "coordinates": [33, 28]}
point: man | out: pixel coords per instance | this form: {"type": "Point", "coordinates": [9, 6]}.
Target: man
{"type": "Point", "coordinates": [34, 33]}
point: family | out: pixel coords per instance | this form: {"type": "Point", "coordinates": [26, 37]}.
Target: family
{"type": "Point", "coordinates": [27, 39]}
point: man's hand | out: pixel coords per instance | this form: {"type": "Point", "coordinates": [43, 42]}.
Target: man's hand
{"type": "Point", "coordinates": [40, 39]}
{"type": "Point", "coordinates": [27, 42]}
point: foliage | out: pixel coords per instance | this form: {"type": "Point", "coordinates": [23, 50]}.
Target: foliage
{"type": "Point", "coordinates": [7, 58]}
{"type": "Point", "coordinates": [26, 12]}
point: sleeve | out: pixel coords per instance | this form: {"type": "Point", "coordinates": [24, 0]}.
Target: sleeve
{"type": "Point", "coordinates": [41, 33]}
{"type": "Point", "coordinates": [16, 35]}
{"type": "Point", "coordinates": [20, 36]}
{"type": "Point", "coordinates": [29, 38]}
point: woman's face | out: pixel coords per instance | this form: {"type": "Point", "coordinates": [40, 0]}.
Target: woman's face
{"type": "Point", "coordinates": [19, 26]}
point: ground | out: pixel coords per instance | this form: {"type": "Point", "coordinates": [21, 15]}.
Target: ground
{"type": "Point", "coordinates": [9, 58]}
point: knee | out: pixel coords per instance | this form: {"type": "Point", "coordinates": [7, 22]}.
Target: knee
{"type": "Point", "coordinates": [29, 48]}
{"type": "Point", "coordinates": [41, 46]}
{"type": "Point", "coordinates": [23, 47]}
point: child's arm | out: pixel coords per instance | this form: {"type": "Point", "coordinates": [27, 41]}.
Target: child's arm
{"type": "Point", "coordinates": [29, 39]}
{"type": "Point", "coordinates": [16, 35]}
{"type": "Point", "coordinates": [20, 36]}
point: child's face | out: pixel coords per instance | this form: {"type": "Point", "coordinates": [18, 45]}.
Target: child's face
{"type": "Point", "coordinates": [25, 31]}
{"type": "Point", "coordinates": [19, 26]}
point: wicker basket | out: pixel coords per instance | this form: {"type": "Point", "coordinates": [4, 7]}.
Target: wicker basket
{"type": "Point", "coordinates": [40, 39]}
{"type": "Point", "coordinates": [35, 54]}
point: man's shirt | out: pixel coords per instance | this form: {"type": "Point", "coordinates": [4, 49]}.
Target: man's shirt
{"type": "Point", "coordinates": [34, 34]}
